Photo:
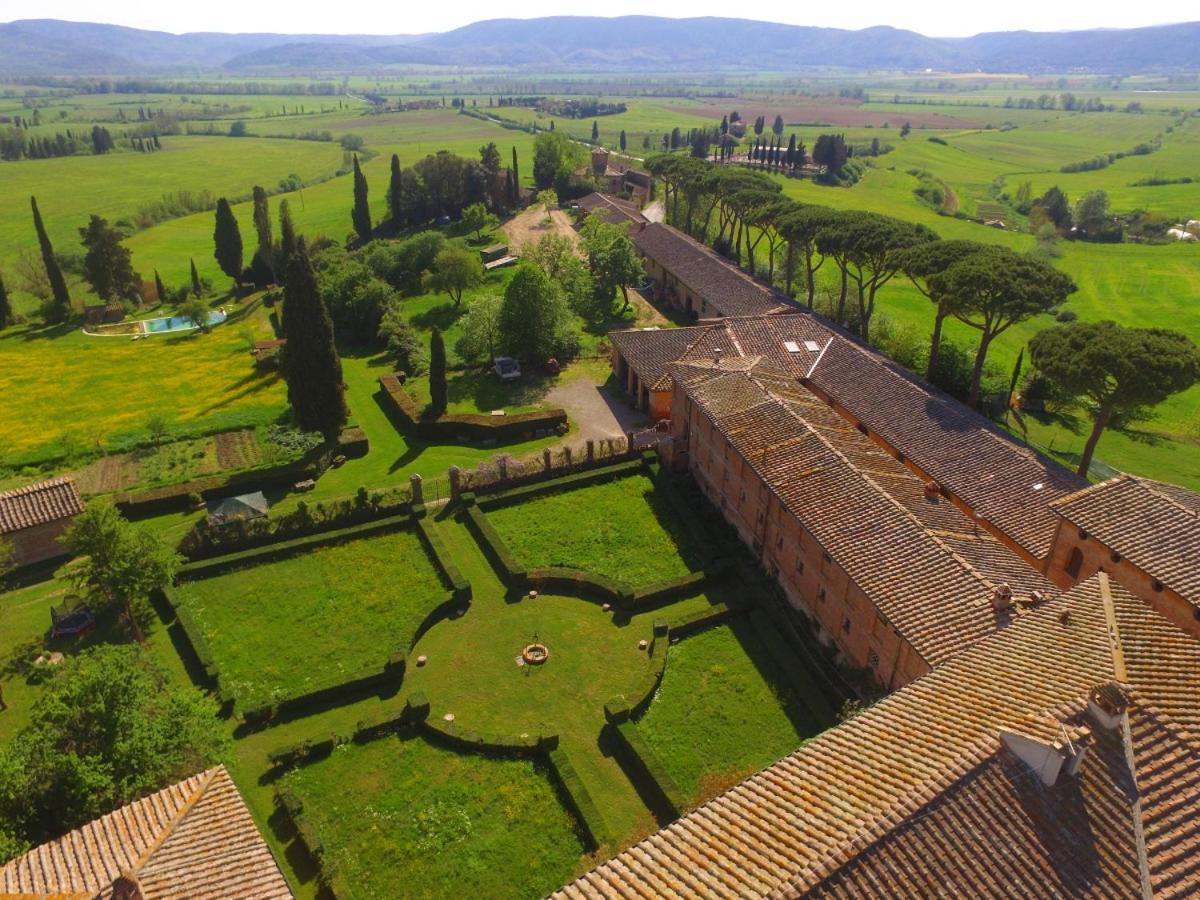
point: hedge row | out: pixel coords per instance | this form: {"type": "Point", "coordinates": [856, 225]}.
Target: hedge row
{"type": "Point", "coordinates": [277, 550]}
{"type": "Point", "coordinates": [657, 651]}
{"type": "Point", "coordinates": [579, 801]}
{"type": "Point", "coordinates": [290, 803]}
{"type": "Point", "coordinates": [646, 763]}
{"type": "Point", "coordinates": [494, 548]}
{"type": "Point", "coordinates": [173, 497]}
{"type": "Point", "coordinates": [200, 647]}
{"type": "Point", "coordinates": [452, 604]}
{"type": "Point", "coordinates": [505, 744]}
{"type": "Point", "coordinates": [437, 549]}
{"type": "Point", "coordinates": [562, 482]}
{"type": "Point", "coordinates": [455, 427]}
{"type": "Point", "coordinates": [391, 673]}
{"type": "Point", "coordinates": [799, 678]}
{"type": "Point", "coordinates": [577, 583]}
{"type": "Point", "coordinates": [701, 619]}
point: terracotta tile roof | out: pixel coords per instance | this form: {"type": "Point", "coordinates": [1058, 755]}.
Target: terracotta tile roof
{"type": "Point", "coordinates": [1006, 484]}
{"type": "Point", "coordinates": [1155, 526]}
{"type": "Point", "coordinates": [193, 839]}
{"type": "Point", "coordinates": [651, 351]}
{"type": "Point", "coordinates": [917, 795]}
{"type": "Point", "coordinates": [46, 501]}
{"type": "Point", "coordinates": [612, 209]}
{"type": "Point", "coordinates": [726, 289]}
{"type": "Point", "coordinates": [928, 570]}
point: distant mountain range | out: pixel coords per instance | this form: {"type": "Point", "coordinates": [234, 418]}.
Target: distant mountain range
{"type": "Point", "coordinates": [50, 46]}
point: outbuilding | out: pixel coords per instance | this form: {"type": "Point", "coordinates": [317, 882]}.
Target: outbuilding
{"type": "Point", "coordinates": [34, 518]}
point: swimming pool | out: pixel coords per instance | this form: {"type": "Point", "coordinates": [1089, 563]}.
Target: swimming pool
{"type": "Point", "coordinates": [180, 323]}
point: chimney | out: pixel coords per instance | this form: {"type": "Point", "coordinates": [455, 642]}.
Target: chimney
{"type": "Point", "coordinates": [717, 356]}
{"type": "Point", "coordinates": [1049, 758]}
{"type": "Point", "coordinates": [1002, 598]}
{"type": "Point", "coordinates": [932, 491]}
{"type": "Point", "coordinates": [1107, 704]}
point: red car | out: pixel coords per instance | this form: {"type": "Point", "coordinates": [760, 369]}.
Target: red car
{"type": "Point", "coordinates": [552, 367]}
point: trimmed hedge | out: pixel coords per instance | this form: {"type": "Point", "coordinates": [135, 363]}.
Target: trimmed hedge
{"type": "Point", "coordinates": [577, 583]}
{"type": "Point", "coordinates": [286, 798]}
{"type": "Point", "coordinates": [437, 549]}
{"type": "Point", "coordinates": [494, 548]}
{"type": "Point", "coordinates": [646, 762]}
{"type": "Point", "coordinates": [174, 497]}
{"type": "Point", "coordinates": [563, 482]}
{"type": "Point", "coordinates": [458, 427]}
{"type": "Point", "coordinates": [277, 550]}
{"type": "Point", "coordinates": [443, 610]}
{"type": "Point", "coordinates": [353, 442]}
{"type": "Point", "coordinates": [391, 673]}
{"type": "Point", "coordinates": [701, 619]}
{"type": "Point", "coordinates": [657, 651]}
{"type": "Point", "coordinates": [579, 801]}
{"type": "Point", "coordinates": [480, 742]}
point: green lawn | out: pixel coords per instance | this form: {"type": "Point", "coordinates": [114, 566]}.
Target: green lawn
{"type": "Point", "coordinates": [621, 529]}
{"type": "Point", "coordinates": [286, 627]}
{"type": "Point", "coordinates": [723, 711]}
{"type": "Point", "coordinates": [65, 390]}
{"type": "Point", "coordinates": [400, 815]}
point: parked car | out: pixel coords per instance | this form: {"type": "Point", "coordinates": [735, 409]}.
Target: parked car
{"type": "Point", "coordinates": [552, 367]}
{"type": "Point", "coordinates": [507, 368]}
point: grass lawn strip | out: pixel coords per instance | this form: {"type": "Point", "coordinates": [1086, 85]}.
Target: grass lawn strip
{"type": "Point", "coordinates": [284, 628]}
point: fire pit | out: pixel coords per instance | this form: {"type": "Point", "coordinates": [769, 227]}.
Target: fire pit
{"type": "Point", "coordinates": [535, 654]}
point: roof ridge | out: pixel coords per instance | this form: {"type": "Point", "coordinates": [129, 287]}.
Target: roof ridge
{"type": "Point", "coordinates": [1153, 484]}
{"type": "Point", "coordinates": [57, 481]}
{"type": "Point", "coordinates": [1139, 830]}
{"type": "Point", "coordinates": [1113, 631]}
{"type": "Point", "coordinates": [1066, 499]}
{"type": "Point", "coordinates": [207, 776]}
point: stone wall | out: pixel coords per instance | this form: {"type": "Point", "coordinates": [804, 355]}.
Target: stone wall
{"type": "Point", "coordinates": [31, 545]}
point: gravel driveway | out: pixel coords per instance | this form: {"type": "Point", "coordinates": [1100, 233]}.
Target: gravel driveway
{"type": "Point", "coordinates": [595, 410]}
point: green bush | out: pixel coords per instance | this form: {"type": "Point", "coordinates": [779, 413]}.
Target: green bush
{"type": "Point", "coordinates": [437, 549]}
{"type": "Point", "coordinates": [647, 763]}
{"type": "Point", "coordinates": [466, 426]}
{"type": "Point", "coordinates": [561, 483]}
{"type": "Point", "coordinates": [511, 572]}
{"type": "Point", "coordinates": [579, 801]}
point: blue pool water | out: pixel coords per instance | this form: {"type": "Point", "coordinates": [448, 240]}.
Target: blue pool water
{"type": "Point", "coordinates": [180, 323]}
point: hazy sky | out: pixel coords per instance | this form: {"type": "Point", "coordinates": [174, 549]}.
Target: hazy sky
{"type": "Point", "coordinates": [398, 17]}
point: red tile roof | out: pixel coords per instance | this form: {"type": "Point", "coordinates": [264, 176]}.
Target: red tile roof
{"type": "Point", "coordinates": [923, 564]}
{"type": "Point", "coordinates": [194, 839]}
{"type": "Point", "coordinates": [612, 209]}
{"type": "Point", "coordinates": [1155, 526]}
{"type": "Point", "coordinates": [919, 796]}
{"type": "Point", "coordinates": [46, 501]}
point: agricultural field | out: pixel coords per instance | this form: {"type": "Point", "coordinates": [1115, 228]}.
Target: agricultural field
{"type": "Point", "coordinates": [281, 628]}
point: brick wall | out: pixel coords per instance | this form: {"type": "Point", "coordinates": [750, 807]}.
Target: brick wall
{"type": "Point", "coordinates": [812, 580]}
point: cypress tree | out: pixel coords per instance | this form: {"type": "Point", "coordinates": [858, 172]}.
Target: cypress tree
{"type": "Point", "coordinates": [287, 235]}
{"type": "Point", "coordinates": [595, 131]}
{"type": "Point", "coordinates": [197, 287]}
{"type": "Point", "coordinates": [5, 305]}
{"type": "Point", "coordinates": [262, 229]}
{"type": "Point", "coordinates": [622, 140]}
{"type": "Point", "coordinates": [437, 371]}
{"type": "Point", "coordinates": [160, 288]}
{"type": "Point", "coordinates": [310, 360]}
{"type": "Point", "coordinates": [393, 197]}
{"type": "Point", "coordinates": [360, 214]}
{"type": "Point", "coordinates": [516, 179]}
{"type": "Point", "coordinates": [228, 240]}
{"type": "Point", "coordinates": [58, 284]}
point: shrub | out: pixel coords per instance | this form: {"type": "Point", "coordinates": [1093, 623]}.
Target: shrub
{"type": "Point", "coordinates": [647, 763]}
{"type": "Point", "coordinates": [579, 800]}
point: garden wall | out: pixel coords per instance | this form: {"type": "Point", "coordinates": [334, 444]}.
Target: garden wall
{"type": "Point", "coordinates": [460, 428]}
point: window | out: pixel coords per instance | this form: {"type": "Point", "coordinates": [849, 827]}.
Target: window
{"type": "Point", "coordinates": [846, 625]}
{"type": "Point", "coordinates": [821, 593]}
{"type": "Point", "coordinates": [1075, 562]}
{"type": "Point", "coordinates": [800, 566]}
{"type": "Point", "coordinates": [779, 542]}
{"type": "Point", "coordinates": [873, 660]}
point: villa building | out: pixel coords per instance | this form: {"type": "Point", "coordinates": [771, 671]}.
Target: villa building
{"type": "Point", "coordinates": [613, 177]}
{"type": "Point", "coordinates": [613, 210]}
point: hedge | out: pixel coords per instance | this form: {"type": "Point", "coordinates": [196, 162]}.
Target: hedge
{"type": "Point", "coordinates": [173, 497]}
{"type": "Point", "coordinates": [701, 619]}
{"type": "Point", "coordinates": [647, 763]}
{"type": "Point", "coordinates": [437, 549]}
{"type": "Point", "coordinates": [443, 610]}
{"type": "Point", "coordinates": [505, 744]}
{"type": "Point", "coordinates": [391, 673]}
{"type": "Point", "coordinates": [799, 677]}
{"type": "Point", "coordinates": [459, 428]}
{"type": "Point", "coordinates": [497, 552]}
{"type": "Point", "coordinates": [577, 583]}
{"type": "Point", "coordinates": [579, 801]}
{"type": "Point", "coordinates": [353, 442]}
{"type": "Point", "coordinates": [657, 651]}
{"type": "Point", "coordinates": [562, 482]}
{"type": "Point", "coordinates": [290, 803]}
{"type": "Point", "coordinates": [277, 550]}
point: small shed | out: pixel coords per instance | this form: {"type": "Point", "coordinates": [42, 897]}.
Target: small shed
{"type": "Point", "coordinates": [33, 518]}
{"type": "Point", "coordinates": [238, 509]}
{"type": "Point", "coordinates": [494, 252]}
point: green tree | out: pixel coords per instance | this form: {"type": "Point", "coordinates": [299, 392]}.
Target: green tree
{"type": "Point", "coordinates": [480, 330]}
{"type": "Point", "coordinates": [196, 309]}
{"type": "Point", "coordinates": [516, 179]}
{"type": "Point", "coordinates": [920, 263]}
{"type": "Point", "coordinates": [476, 218]}
{"type": "Point", "coordinates": [227, 238]}
{"type": "Point", "coordinates": [60, 305]}
{"type": "Point", "coordinates": [1091, 212]}
{"type": "Point", "coordinates": [395, 195]}
{"type": "Point", "coordinates": [287, 236]}
{"type": "Point", "coordinates": [905, 129]}
{"type": "Point", "coordinates": [403, 345]}
{"type": "Point", "coordinates": [595, 131]}
{"type": "Point", "coordinates": [160, 289]}
{"type": "Point", "coordinates": [555, 157]}
{"type": "Point", "coordinates": [265, 251]}
{"type": "Point", "coordinates": [456, 269]}
{"type": "Point", "coordinates": [534, 317]}
{"type": "Point", "coordinates": [799, 228]}
{"type": "Point", "coordinates": [613, 261]}
{"type": "Point", "coordinates": [197, 285]}
{"type": "Point", "coordinates": [360, 214]}
{"type": "Point", "coordinates": [994, 289]}
{"type": "Point", "coordinates": [437, 372]}
{"type": "Point", "coordinates": [622, 140]}
{"type": "Point", "coordinates": [109, 727]}
{"type": "Point", "coordinates": [310, 362]}
{"type": "Point", "coordinates": [777, 127]}
{"type": "Point", "coordinates": [6, 310]}
{"type": "Point", "coordinates": [1057, 208]}
{"type": "Point", "coordinates": [108, 265]}
{"type": "Point", "coordinates": [122, 565]}
{"type": "Point", "coordinates": [1117, 370]}
{"type": "Point", "coordinates": [237, 129]}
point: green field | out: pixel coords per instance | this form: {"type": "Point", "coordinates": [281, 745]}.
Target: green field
{"type": "Point", "coordinates": [623, 529]}
{"type": "Point", "coordinates": [283, 628]}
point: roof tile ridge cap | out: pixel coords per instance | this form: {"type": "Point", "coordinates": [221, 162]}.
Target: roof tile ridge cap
{"type": "Point", "coordinates": [946, 548]}
{"type": "Point", "coordinates": [1139, 828]}
{"type": "Point", "coordinates": [37, 487]}
{"type": "Point", "coordinates": [909, 807]}
{"type": "Point", "coordinates": [1113, 629]}
{"type": "Point", "coordinates": [1152, 485]}
{"type": "Point", "coordinates": [207, 777]}
{"type": "Point", "coordinates": [1089, 489]}
{"type": "Point", "coordinates": [705, 330]}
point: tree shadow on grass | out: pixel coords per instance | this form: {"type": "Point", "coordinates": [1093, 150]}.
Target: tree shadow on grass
{"type": "Point", "coordinates": [245, 392]}
{"type": "Point", "coordinates": [442, 316]}
{"type": "Point", "coordinates": [486, 391]}
{"type": "Point", "coordinates": [44, 332]}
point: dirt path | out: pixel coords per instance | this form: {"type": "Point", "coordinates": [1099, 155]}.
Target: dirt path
{"type": "Point", "coordinates": [530, 225]}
